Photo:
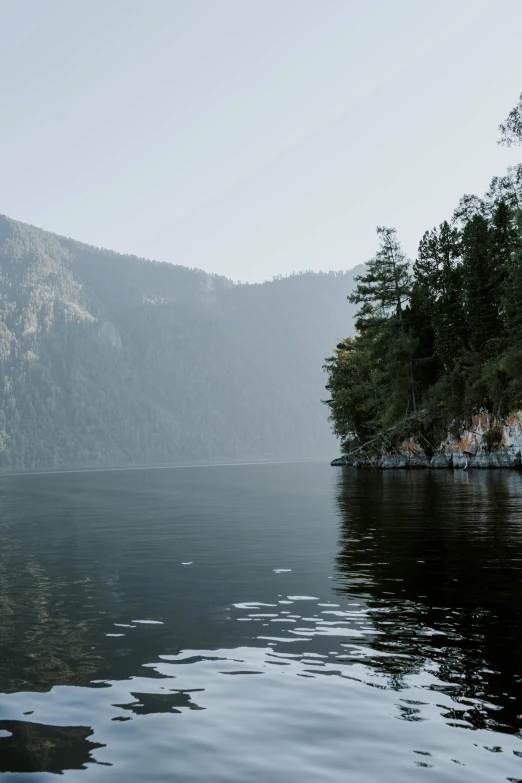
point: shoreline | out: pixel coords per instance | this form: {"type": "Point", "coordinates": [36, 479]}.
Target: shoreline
{"type": "Point", "coordinates": [487, 442]}
{"type": "Point", "coordinates": [498, 460]}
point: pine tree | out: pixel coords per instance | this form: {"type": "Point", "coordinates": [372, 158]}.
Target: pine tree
{"type": "Point", "coordinates": [354, 392]}
{"type": "Point", "coordinates": [386, 287]}
{"type": "Point", "coordinates": [511, 129]}
{"type": "Point", "coordinates": [383, 293]}
{"type": "Point", "coordinates": [504, 239]}
{"type": "Point", "coordinates": [482, 285]}
{"type": "Point", "coordinates": [438, 273]}
{"type": "Point", "coordinates": [448, 342]}
{"type": "Point", "coordinates": [468, 207]}
{"type": "Point", "coordinates": [507, 188]}
{"type": "Point", "coordinates": [508, 250]}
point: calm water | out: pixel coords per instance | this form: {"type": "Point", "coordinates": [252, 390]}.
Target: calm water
{"type": "Point", "coordinates": [261, 624]}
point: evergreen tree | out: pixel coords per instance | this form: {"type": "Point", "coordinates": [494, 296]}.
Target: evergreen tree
{"type": "Point", "coordinates": [106, 359]}
{"type": "Point", "coordinates": [448, 343]}
{"type": "Point", "coordinates": [508, 247]}
{"type": "Point", "coordinates": [371, 378]}
{"type": "Point", "coordinates": [511, 128]}
{"type": "Point", "coordinates": [468, 207]}
{"type": "Point", "coordinates": [438, 274]}
{"type": "Point", "coordinates": [427, 365]}
{"type": "Point", "coordinates": [386, 286]}
{"type": "Point", "coordinates": [507, 188]}
{"type": "Point", "coordinates": [482, 285]}
{"type": "Point", "coordinates": [353, 384]}
{"type": "Point", "coordinates": [504, 239]}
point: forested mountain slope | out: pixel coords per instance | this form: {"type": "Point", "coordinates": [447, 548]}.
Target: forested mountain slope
{"type": "Point", "coordinates": [108, 359]}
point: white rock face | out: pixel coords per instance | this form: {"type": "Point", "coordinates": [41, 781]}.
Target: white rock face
{"type": "Point", "coordinates": [410, 455]}
{"type": "Point", "coordinates": [441, 461]}
{"type": "Point", "coordinates": [470, 450]}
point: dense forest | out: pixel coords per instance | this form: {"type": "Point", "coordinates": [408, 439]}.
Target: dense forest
{"type": "Point", "coordinates": [113, 360]}
{"type": "Point", "coordinates": [440, 339]}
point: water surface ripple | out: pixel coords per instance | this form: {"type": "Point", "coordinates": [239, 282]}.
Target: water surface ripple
{"type": "Point", "coordinates": [261, 623]}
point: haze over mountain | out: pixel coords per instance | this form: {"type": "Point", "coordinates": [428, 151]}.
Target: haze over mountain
{"type": "Point", "coordinates": [108, 359]}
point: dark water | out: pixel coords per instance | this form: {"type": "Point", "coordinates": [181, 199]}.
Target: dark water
{"type": "Point", "coordinates": [328, 626]}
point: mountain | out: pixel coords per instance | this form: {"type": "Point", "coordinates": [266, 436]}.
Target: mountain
{"type": "Point", "coordinates": [108, 359]}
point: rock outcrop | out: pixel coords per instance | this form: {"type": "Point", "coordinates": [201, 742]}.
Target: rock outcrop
{"type": "Point", "coordinates": [489, 442]}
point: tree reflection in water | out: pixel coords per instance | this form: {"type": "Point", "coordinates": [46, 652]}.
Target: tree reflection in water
{"type": "Point", "coordinates": [42, 643]}
{"type": "Point", "coordinates": [34, 747]}
{"type": "Point", "coordinates": [438, 558]}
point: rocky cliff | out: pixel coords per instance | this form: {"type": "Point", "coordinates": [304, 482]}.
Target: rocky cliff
{"type": "Point", "coordinates": [488, 442]}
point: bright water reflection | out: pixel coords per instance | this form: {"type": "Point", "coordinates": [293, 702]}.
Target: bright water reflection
{"type": "Point", "coordinates": [271, 623]}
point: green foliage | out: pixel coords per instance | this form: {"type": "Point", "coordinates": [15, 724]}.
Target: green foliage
{"type": "Point", "coordinates": [507, 188]}
{"type": "Point", "coordinates": [113, 360]}
{"type": "Point", "coordinates": [370, 377]}
{"type": "Point", "coordinates": [492, 439]}
{"type": "Point", "coordinates": [511, 128]}
{"type": "Point", "coordinates": [481, 284]}
{"type": "Point", "coordinates": [438, 282]}
{"type": "Point", "coordinates": [386, 285]}
{"type": "Point", "coordinates": [443, 339]}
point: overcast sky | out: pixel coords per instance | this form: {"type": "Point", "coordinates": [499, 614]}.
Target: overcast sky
{"type": "Point", "coordinates": [252, 137]}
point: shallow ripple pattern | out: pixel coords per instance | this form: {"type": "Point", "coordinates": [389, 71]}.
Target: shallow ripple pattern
{"type": "Point", "coordinates": [300, 677]}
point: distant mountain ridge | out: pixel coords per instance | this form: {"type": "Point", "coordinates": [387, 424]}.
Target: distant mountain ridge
{"type": "Point", "coordinates": [108, 359]}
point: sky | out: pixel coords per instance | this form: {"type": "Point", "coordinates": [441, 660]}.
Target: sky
{"type": "Point", "coordinates": [252, 138]}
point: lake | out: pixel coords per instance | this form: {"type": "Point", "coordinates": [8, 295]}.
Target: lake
{"type": "Point", "coordinates": [261, 624]}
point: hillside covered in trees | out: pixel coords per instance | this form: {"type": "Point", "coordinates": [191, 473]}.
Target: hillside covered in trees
{"type": "Point", "coordinates": [113, 360]}
{"type": "Point", "coordinates": [440, 339]}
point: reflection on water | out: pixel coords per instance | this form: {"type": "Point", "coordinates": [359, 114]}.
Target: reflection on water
{"type": "Point", "coordinates": [439, 563]}
{"type": "Point", "coordinates": [31, 747]}
{"type": "Point", "coordinates": [331, 625]}
{"type": "Point", "coordinates": [50, 646]}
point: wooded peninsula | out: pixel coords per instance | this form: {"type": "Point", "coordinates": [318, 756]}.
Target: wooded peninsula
{"type": "Point", "coordinates": [439, 340]}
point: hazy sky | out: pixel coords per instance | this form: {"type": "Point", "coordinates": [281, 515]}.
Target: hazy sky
{"type": "Point", "coordinates": [252, 137]}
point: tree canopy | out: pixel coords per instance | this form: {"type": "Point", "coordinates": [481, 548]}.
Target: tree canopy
{"type": "Point", "coordinates": [511, 128]}
{"type": "Point", "coordinates": [438, 339]}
